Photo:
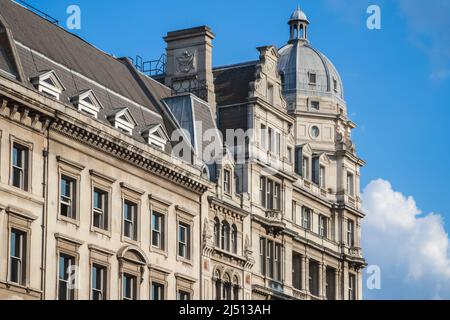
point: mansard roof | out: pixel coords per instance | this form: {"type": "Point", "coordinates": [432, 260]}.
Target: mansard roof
{"type": "Point", "coordinates": [232, 82]}
{"type": "Point", "coordinates": [42, 45]}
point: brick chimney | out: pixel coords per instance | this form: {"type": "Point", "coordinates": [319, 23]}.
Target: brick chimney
{"type": "Point", "coordinates": [189, 63]}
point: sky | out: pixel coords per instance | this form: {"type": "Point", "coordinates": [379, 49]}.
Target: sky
{"type": "Point", "coordinates": [396, 81]}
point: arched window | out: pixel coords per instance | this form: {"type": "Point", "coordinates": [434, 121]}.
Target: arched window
{"type": "Point", "coordinates": [226, 236]}
{"type": "Point", "coordinates": [226, 292]}
{"type": "Point", "coordinates": [216, 232]}
{"type": "Point", "coordinates": [234, 238]}
{"type": "Point", "coordinates": [217, 285]}
{"type": "Point", "coordinates": [235, 288]}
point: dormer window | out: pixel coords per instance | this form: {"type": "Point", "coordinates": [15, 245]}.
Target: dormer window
{"type": "Point", "coordinates": [156, 136]}
{"type": "Point", "coordinates": [123, 120]}
{"type": "Point", "coordinates": [312, 78]}
{"type": "Point", "coordinates": [48, 83]}
{"type": "Point", "coordinates": [335, 85]}
{"type": "Point", "coordinates": [87, 102]}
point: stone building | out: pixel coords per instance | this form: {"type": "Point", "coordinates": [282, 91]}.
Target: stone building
{"type": "Point", "coordinates": [233, 182]}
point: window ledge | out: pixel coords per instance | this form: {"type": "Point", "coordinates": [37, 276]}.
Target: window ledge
{"type": "Point", "coordinates": [69, 220]}
{"type": "Point", "coordinates": [103, 232]}
{"type": "Point", "coordinates": [158, 251]}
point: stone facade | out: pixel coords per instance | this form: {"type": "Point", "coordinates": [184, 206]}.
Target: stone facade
{"type": "Point", "coordinates": [97, 202]}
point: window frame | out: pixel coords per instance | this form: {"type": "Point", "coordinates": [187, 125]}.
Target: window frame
{"type": "Point", "coordinates": [134, 289]}
{"type": "Point", "coordinates": [104, 281]}
{"type": "Point", "coordinates": [350, 184]}
{"type": "Point", "coordinates": [72, 199]}
{"type": "Point", "coordinates": [227, 181]}
{"type": "Point", "coordinates": [71, 293]}
{"type": "Point", "coordinates": [23, 258]}
{"type": "Point", "coordinates": [161, 231]}
{"type": "Point", "coordinates": [187, 243]}
{"type": "Point", "coordinates": [27, 148]}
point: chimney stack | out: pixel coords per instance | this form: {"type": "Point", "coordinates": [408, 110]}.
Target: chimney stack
{"type": "Point", "coordinates": [189, 63]}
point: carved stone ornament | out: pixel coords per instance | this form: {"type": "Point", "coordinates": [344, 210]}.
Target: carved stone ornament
{"type": "Point", "coordinates": [207, 234]}
{"type": "Point", "coordinates": [185, 62]}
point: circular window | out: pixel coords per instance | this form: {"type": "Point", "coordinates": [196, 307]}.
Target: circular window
{"type": "Point", "coordinates": [315, 132]}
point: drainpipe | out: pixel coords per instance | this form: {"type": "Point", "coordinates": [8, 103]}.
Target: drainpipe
{"type": "Point", "coordinates": [44, 231]}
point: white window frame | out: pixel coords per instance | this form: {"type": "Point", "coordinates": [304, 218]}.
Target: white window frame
{"type": "Point", "coordinates": [161, 236]}
{"type": "Point", "coordinates": [103, 274]}
{"type": "Point", "coordinates": [21, 259]}
{"type": "Point", "coordinates": [102, 212]}
{"type": "Point", "coordinates": [69, 201]}
{"type": "Point", "coordinates": [133, 285]}
{"type": "Point", "coordinates": [133, 223]}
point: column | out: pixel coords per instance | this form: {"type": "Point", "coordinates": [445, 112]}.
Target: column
{"type": "Point", "coordinates": [305, 274]}
{"type": "Point", "coordinates": [324, 285]}
{"type": "Point", "coordinates": [320, 280]}
{"type": "Point", "coordinates": [336, 284]}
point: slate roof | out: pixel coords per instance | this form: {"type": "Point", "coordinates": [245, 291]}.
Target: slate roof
{"type": "Point", "coordinates": [42, 45]}
{"type": "Point", "coordinates": [232, 82]}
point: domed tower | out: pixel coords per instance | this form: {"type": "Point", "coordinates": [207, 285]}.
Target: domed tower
{"type": "Point", "coordinates": [314, 92]}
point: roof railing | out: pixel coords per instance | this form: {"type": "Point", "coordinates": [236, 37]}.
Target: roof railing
{"type": "Point", "coordinates": [37, 11]}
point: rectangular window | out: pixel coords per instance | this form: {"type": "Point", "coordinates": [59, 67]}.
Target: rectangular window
{"type": "Point", "coordinates": [271, 140]}
{"type": "Point", "coordinates": [262, 256]}
{"type": "Point", "coordinates": [129, 287]}
{"type": "Point", "coordinates": [184, 240]}
{"type": "Point", "coordinates": [276, 196]}
{"type": "Point", "coordinates": [262, 191]}
{"type": "Point", "coordinates": [306, 218]}
{"type": "Point", "coordinates": [158, 227]}
{"type": "Point", "coordinates": [68, 197]}
{"type": "Point", "coordinates": [323, 226]}
{"type": "Point", "coordinates": [315, 105]}
{"type": "Point", "coordinates": [270, 255]}
{"type": "Point", "coordinates": [157, 291]}
{"type": "Point", "coordinates": [100, 209]}
{"type": "Point", "coordinates": [277, 262]}
{"type": "Point", "coordinates": [98, 282]}
{"type": "Point", "coordinates": [351, 287]}
{"type": "Point", "coordinates": [130, 220]}
{"type": "Point", "coordinates": [20, 167]}
{"type": "Point", "coordinates": [65, 280]}
{"type": "Point", "coordinates": [17, 263]}
{"type": "Point", "coordinates": [263, 136]}
{"type": "Point", "coordinates": [289, 154]}
{"type": "Point", "coordinates": [227, 181]}
{"type": "Point", "coordinates": [183, 295]}
{"type": "Point", "coordinates": [269, 192]}
{"type": "Point", "coordinates": [330, 284]}
{"type": "Point", "coordinates": [305, 168]}
{"type": "Point", "coordinates": [350, 233]}
{"type": "Point", "coordinates": [278, 144]}
{"type": "Point", "coordinates": [297, 270]}
{"type": "Point", "coordinates": [322, 177]}
{"type": "Point", "coordinates": [312, 78]}
{"type": "Point", "coordinates": [270, 259]}
{"type": "Point", "coordinates": [335, 85]}
{"type": "Point", "coordinates": [350, 184]}
{"type": "Point", "coordinates": [314, 278]}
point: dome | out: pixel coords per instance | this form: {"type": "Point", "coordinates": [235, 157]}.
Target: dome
{"type": "Point", "coordinates": [306, 70]}
{"type": "Point", "coordinates": [298, 15]}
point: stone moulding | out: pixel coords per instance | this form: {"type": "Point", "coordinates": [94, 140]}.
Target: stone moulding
{"type": "Point", "coordinates": [128, 153]}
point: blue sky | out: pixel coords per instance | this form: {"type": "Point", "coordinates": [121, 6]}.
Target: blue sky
{"type": "Point", "coordinates": [396, 82]}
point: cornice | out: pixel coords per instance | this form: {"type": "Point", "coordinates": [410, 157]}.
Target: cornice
{"type": "Point", "coordinates": [128, 152]}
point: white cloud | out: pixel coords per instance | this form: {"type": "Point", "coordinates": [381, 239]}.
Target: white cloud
{"type": "Point", "coordinates": [411, 248]}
